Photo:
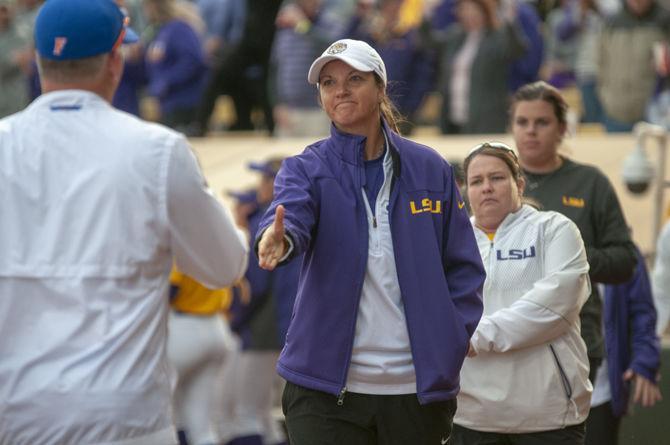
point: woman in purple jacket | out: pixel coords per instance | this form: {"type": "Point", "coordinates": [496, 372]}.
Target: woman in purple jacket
{"type": "Point", "coordinates": [390, 284]}
{"type": "Point", "coordinates": [630, 369]}
{"type": "Point", "coordinates": [175, 64]}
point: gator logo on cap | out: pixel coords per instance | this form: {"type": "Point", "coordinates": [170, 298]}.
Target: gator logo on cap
{"type": "Point", "coordinates": [59, 45]}
{"type": "Point", "coordinates": [337, 48]}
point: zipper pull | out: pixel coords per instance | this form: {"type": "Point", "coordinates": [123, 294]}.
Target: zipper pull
{"type": "Point", "coordinates": [340, 398]}
{"type": "Point", "coordinates": [374, 221]}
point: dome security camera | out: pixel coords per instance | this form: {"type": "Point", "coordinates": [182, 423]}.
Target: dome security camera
{"type": "Point", "coordinates": [637, 171]}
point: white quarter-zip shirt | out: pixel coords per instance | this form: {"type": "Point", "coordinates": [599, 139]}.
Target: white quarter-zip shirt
{"type": "Point", "coordinates": [381, 360]}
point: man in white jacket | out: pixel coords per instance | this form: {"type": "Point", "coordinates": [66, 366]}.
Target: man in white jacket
{"type": "Point", "coordinates": [96, 204]}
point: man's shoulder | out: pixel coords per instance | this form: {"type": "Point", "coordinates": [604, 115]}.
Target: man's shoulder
{"type": "Point", "coordinates": [132, 126]}
{"type": "Point", "coordinates": [8, 122]}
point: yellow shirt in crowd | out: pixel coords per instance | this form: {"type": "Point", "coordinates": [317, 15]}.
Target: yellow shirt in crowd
{"type": "Point", "coordinates": [194, 298]}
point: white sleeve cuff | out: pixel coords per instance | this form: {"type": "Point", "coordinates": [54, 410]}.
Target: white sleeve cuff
{"type": "Point", "coordinates": [289, 250]}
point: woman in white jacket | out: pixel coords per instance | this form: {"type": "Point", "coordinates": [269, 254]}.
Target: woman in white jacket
{"type": "Point", "coordinates": [526, 378]}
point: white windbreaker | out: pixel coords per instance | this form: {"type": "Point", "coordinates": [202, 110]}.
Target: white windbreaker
{"type": "Point", "coordinates": [94, 206]}
{"type": "Point", "coordinates": [531, 371]}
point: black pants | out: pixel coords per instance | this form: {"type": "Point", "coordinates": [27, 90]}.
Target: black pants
{"type": "Point", "coordinates": [315, 418]}
{"type": "Point", "coordinates": [572, 435]}
{"type": "Point", "coordinates": [178, 119]}
{"type": "Point", "coordinates": [602, 428]}
{"type": "Point", "coordinates": [230, 77]}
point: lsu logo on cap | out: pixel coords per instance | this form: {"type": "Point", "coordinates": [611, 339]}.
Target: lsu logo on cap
{"type": "Point", "coordinates": [59, 45]}
{"type": "Point", "coordinates": [337, 48]}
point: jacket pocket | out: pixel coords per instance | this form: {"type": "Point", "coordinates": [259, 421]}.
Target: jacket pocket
{"type": "Point", "coordinates": [565, 381]}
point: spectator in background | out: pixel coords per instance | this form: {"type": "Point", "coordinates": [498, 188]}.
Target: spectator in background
{"type": "Point", "coordinates": [475, 56]}
{"type": "Point", "coordinates": [661, 280]}
{"type": "Point", "coordinates": [304, 30]}
{"type": "Point", "coordinates": [525, 380]}
{"type": "Point", "coordinates": [261, 321]}
{"type": "Point", "coordinates": [443, 14]}
{"type": "Point", "coordinates": [175, 64]}
{"type": "Point", "coordinates": [561, 54]}
{"type": "Point", "coordinates": [526, 68]}
{"type": "Point", "coordinates": [26, 12]}
{"type": "Point", "coordinates": [538, 119]}
{"type": "Point", "coordinates": [224, 26]}
{"type": "Point", "coordinates": [626, 70]}
{"type": "Point", "coordinates": [199, 344]}
{"type": "Point", "coordinates": [15, 60]}
{"type": "Point", "coordinates": [410, 68]}
{"type": "Point", "coordinates": [632, 356]}
{"type": "Point", "coordinates": [244, 67]}
{"type": "Point", "coordinates": [582, 22]}
{"type": "Point", "coordinates": [127, 97]}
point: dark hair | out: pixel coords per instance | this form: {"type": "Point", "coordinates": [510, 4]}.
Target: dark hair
{"type": "Point", "coordinates": [504, 153]}
{"type": "Point", "coordinates": [496, 150]}
{"type": "Point", "coordinates": [541, 91]}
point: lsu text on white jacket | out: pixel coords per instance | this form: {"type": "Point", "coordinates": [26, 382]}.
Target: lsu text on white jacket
{"type": "Point", "coordinates": [531, 371]}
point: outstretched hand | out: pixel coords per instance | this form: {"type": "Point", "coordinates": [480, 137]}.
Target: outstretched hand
{"type": "Point", "coordinates": [645, 392]}
{"type": "Point", "coordinates": [272, 246]}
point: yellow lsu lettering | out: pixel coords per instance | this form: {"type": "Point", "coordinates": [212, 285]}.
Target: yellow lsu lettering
{"type": "Point", "coordinates": [569, 201]}
{"type": "Point", "coordinates": [427, 205]}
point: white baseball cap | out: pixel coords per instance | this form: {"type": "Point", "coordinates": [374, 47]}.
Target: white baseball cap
{"type": "Point", "coordinates": [355, 53]}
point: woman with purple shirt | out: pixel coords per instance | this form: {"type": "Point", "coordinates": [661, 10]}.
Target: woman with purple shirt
{"type": "Point", "coordinates": [390, 279]}
{"type": "Point", "coordinates": [175, 64]}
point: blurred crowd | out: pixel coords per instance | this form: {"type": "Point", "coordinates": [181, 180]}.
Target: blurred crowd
{"type": "Point", "coordinates": [472, 53]}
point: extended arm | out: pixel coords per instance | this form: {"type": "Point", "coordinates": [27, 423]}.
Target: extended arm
{"type": "Point", "coordinates": [285, 230]}
{"type": "Point", "coordinates": [206, 244]}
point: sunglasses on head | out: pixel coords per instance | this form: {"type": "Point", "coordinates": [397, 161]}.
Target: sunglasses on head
{"type": "Point", "coordinates": [494, 145]}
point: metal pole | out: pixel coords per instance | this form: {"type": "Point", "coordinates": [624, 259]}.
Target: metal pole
{"type": "Point", "coordinates": [660, 189]}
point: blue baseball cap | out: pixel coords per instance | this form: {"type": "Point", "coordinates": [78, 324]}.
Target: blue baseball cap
{"type": "Point", "coordinates": [243, 197]}
{"type": "Point", "coordinates": [268, 168]}
{"type": "Point", "coordinates": [76, 29]}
